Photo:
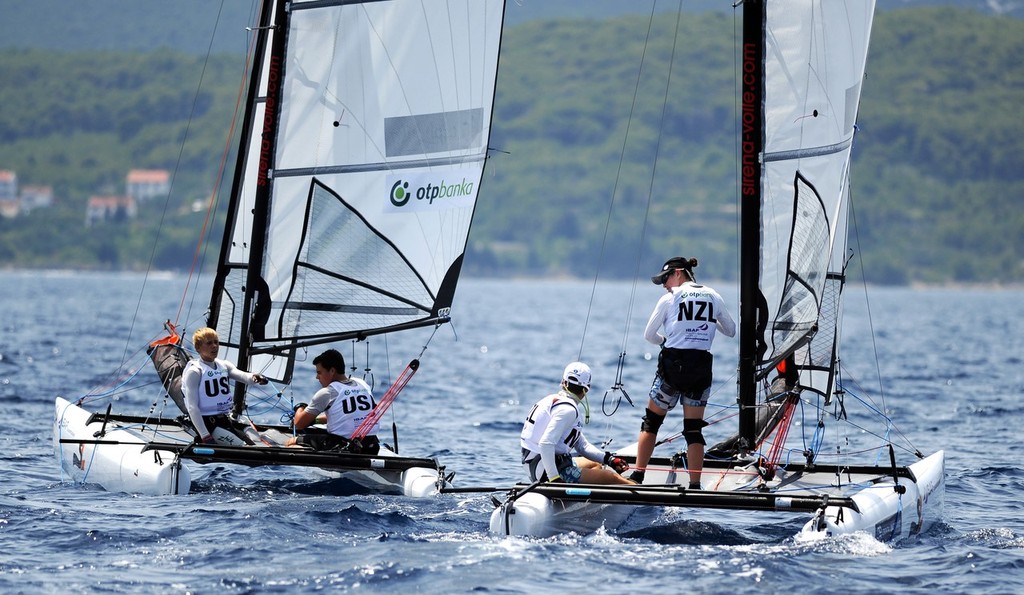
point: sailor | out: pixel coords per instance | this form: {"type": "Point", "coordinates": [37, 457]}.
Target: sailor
{"type": "Point", "coordinates": [689, 314]}
{"type": "Point", "coordinates": [207, 389]}
{"type": "Point", "coordinates": [343, 403]}
{"type": "Point", "coordinates": [554, 428]}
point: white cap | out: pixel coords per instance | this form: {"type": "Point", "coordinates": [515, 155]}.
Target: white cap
{"type": "Point", "coordinates": [577, 373]}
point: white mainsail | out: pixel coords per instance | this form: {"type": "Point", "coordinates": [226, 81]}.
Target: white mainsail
{"type": "Point", "coordinates": [367, 138]}
{"type": "Point", "coordinates": [815, 52]}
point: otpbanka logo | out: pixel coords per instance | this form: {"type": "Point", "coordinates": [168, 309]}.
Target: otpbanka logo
{"type": "Point", "coordinates": [427, 191]}
{"type": "Point", "coordinates": [400, 193]}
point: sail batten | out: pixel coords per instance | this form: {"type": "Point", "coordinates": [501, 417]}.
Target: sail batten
{"type": "Point", "coordinates": [378, 167]}
{"type": "Point", "coordinates": [366, 140]}
{"type": "Point", "coordinates": [803, 64]}
{"type": "Point", "coordinates": [808, 152]}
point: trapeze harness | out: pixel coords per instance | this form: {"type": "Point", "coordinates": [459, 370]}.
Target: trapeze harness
{"type": "Point", "coordinates": [536, 429]}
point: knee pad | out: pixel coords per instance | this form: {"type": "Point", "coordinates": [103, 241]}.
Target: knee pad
{"type": "Point", "coordinates": [692, 431]}
{"type": "Point", "coordinates": [652, 422]}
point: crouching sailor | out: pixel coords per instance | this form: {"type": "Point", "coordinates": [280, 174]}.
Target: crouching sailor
{"type": "Point", "coordinates": [343, 402]}
{"type": "Point", "coordinates": [554, 428]}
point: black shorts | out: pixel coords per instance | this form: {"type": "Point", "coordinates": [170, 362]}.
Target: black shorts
{"type": "Point", "coordinates": [327, 442]}
{"type": "Point", "coordinates": [686, 370]}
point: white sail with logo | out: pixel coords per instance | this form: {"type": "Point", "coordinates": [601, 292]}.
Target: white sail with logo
{"type": "Point", "coordinates": [353, 205]}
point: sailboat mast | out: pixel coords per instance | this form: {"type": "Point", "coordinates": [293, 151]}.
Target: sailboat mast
{"type": "Point", "coordinates": [256, 291]}
{"type": "Point", "coordinates": [235, 202]}
{"type": "Point", "coordinates": [751, 168]}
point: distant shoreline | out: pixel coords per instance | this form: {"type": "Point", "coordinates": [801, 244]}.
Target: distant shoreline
{"type": "Point", "coordinates": [167, 275]}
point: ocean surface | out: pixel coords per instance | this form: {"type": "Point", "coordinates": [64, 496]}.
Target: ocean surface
{"type": "Point", "coordinates": [952, 376]}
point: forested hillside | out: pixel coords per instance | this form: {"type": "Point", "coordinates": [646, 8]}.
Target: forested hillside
{"type": "Point", "coordinates": [580, 160]}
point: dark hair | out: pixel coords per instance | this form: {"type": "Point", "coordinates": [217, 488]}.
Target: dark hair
{"type": "Point", "coordinates": [676, 263]}
{"type": "Point", "coordinates": [576, 389]}
{"type": "Point", "coordinates": [331, 359]}
{"type": "Point", "coordinates": [690, 265]}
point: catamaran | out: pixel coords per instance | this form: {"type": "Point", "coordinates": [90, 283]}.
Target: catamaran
{"type": "Point", "coordinates": [801, 65]}
{"type": "Point", "coordinates": [362, 150]}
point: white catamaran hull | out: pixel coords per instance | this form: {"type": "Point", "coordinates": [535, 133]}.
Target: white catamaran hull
{"type": "Point", "coordinates": [537, 515]}
{"type": "Point", "coordinates": [888, 514]}
{"type": "Point", "coordinates": [864, 499]}
{"type": "Point", "coordinates": [114, 455]}
{"type": "Point", "coordinates": [116, 460]}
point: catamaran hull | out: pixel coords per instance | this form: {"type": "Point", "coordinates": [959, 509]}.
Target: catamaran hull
{"type": "Point", "coordinates": [839, 499]}
{"type": "Point", "coordinates": [415, 482]}
{"type": "Point", "coordinates": [116, 461]}
{"type": "Point", "coordinates": [537, 515]}
{"type": "Point", "coordinates": [147, 457]}
{"type": "Point", "coordinates": [887, 513]}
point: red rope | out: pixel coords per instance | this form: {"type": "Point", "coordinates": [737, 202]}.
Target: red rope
{"type": "Point", "coordinates": [781, 431]}
{"type": "Point", "coordinates": [386, 401]}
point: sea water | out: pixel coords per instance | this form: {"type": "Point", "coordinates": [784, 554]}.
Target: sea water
{"type": "Point", "coordinates": [952, 378]}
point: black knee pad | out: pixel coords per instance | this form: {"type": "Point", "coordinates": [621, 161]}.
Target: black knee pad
{"type": "Point", "coordinates": [652, 422]}
{"type": "Point", "coordinates": [692, 431]}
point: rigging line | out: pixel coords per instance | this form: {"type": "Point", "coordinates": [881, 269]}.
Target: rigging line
{"type": "Point", "coordinates": [615, 184]}
{"type": "Point", "coordinates": [654, 172]}
{"type": "Point", "coordinates": [202, 245]}
{"type": "Point", "coordinates": [871, 324]}
{"type": "Point", "coordinates": [170, 190]}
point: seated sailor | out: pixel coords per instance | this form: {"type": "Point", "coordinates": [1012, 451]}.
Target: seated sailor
{"type": "Point", "coordinates": [554, 428]}
{"type": "Point", "coordinates": [343, 403]}
{"type": "Point", "coordinates": [207, 389]}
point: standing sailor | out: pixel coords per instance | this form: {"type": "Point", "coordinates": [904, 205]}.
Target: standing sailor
{"type": "Point", "coordinates": [690, 314]}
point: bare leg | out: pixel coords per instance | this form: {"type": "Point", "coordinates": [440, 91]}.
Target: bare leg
{"type": "Point", "coordinates": [596, 473]}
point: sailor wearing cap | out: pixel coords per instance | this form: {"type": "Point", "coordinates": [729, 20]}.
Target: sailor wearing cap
{"type": "Point", "coordinates": [690, 314]}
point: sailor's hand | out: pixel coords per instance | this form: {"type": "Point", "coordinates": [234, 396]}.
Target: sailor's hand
{"type": "Point", "coordinates": [296, 408]}
{"type": "Point", "coordinates": [259, 379]}
{"type": "Point", "coordinates": [555, 479]}
{"type": "Point", "coordinates": [209, 439]}
{"type": "Point", "coordinates": [615, 462]}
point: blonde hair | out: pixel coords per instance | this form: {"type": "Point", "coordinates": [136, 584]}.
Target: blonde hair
{"type": "Point", "coordinates": [203, 335]}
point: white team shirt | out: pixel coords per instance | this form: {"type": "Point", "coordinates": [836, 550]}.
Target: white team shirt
{"type": "Point", "coordinates": [555, 426]}
{"type": "Point", "coordinates": [207, 389]}
{"type": "Point", "coordinates": [690, 315]}
{"type": "Point", "coordinates": [347, 405]}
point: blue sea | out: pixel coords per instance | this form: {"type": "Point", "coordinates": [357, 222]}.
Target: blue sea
{"type": "Point", "coordinates": [950, 364]}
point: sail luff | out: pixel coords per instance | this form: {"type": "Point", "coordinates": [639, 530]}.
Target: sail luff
{"type": "Point", "coordinates": [255, 287]}
{"type": "Point", "coordinates": [234, 200]}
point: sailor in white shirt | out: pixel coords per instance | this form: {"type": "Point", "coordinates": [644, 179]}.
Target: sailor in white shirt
{"type": "Point", "coordinates": [689, 314]}
{"type": "Point", "coordinates": [207, 388]}
{"type": "Point", "coordinates": [554, 429]}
